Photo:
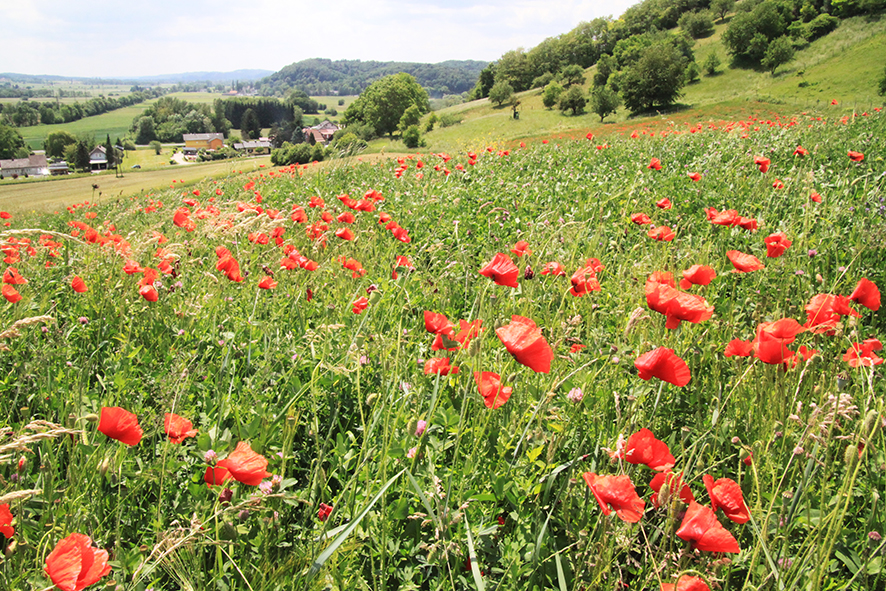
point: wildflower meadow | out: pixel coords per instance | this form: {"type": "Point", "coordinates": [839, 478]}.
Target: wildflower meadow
{"type": "Point", "coordinates": [645, 361]}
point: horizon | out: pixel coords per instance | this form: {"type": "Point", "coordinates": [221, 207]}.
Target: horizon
{"type": "Point", "coordinates": [61, 41]}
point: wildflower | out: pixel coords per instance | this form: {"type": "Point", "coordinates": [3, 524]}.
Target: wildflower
{"type": "Point", "coordinates": [553, 268]}
{"type": "Point", "coordinates": [420, 428]}
{"type": "Point", "coordinates": [862, 354]}
{"type": "Point", "coordinates": [641, 219]}
{"type": "Point", "coordinates": [762, 163]}
{"type": "Point", "coordinates": [440, 365]}
{"type": "Point", "coordinates": [738, 348]}
{"type": "Point", "coordinates": [643, 448]}
{"type": "Point", "coordinates": [654, 164]}
{"type": "Point", "coordinates": [575, 395]}
{"type": "Point", "coordinates": [410, 454]}
{"type": "Point", "coordinates": [6, 521]}
{"type": "Point", "coordinates": [697, 275]}
{"type": "Point", "coordinates": [521, 248]}
{"type": "Point", "coordinates": [210, 457]}
{"type": "Point", "coordinates": [815, 197]}
{"type": "Point", "coordinates": [502, 270]}
{"type": "Point", "coordinates": [120, 424]}
{"type": "Point", "coordinates": [324, 512]}
{"type": "Point", "coordinates": [359, 305]}
{"type": "Point", "coordinates": [13, 277]}
{"type": "Point", "coordinates": [674, 484]}
{"type": "Point", "coordinates": [726, 494]}
{"type": "Point", "coordinates": [267, 282]}
{"type": "Point", "coordinates": [245, 465]}
{"type": "Point", "coordinates": [866, 294]}
{"type": "Point", "coordinates": [11, 294]}
{"type": "Point", "coordinates": [661, 233]}
{"type": "Point", "coordinates": [664, 203]}
{"type": "Point", "coordinates": [701, 528]}
{"type": "Point", "coordinates": [618, 493]}
{"type": "Point", "coordinates": [493, 393]}
{"type": "Point", "coordinates": [523, 339]}
{"type": "Point", "coordinates": [178, 428]}
{"type": "Point", "coordinates": [744, 263]}
{"type": "Point", "coordinates": [584, 280]}
{"type": "Point", "coordinates": [856, 156]}
{"type": "Point", "coordinates": [83, 320]}
{"type": "Point", "coordinates": [801, 151]}
{"type": "Point", "coordinates": [75, 564]}
{"type": "Point", "coordinates": [686, 583]}
{"type": "Point", "coordinates": [776, 244]}
{"type": "Point", "coordinates": [694, 176]}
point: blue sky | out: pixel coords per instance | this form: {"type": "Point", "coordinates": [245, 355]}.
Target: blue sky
{"type": "Point", "coordinates": [76, 38]}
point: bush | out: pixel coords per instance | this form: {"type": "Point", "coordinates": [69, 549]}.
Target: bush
{"type": "Point", "coordinates": [291, 154]}
{"type": "Point", "coordinates": [551, 95]}
{"type": "Point", "coordinates": [501, 92]}
{"type": "Point", "coordinates": [692, 73]}
{"type": "Point", "coordinates": [128, 145]}
{"type": "Point", "coordinates": [711, 63]}
{"type": "Point", "coordinates": [157, 147]}
{"type": "Point", "coordinates": [821, 26]}
{"type": "Point", "coordinates": [697, 24]}
{"type": "Point", "coordinates": [882, 89]}
{"type": "Point", "coordinates": [349, 144]}
{"type": "Point", "coordinates": [429, 124]}
{"type": "Point", "coordinates": [341, 102]}
{"type": "Point", "coordinates": [449, 119]}
{"type": "Point", "coordinates": [412, 137]}
{"type": "Point", "coordinates": [573, 100]}
{"type": "Point", "coordinates": [543, 80]}
{"type": "Point", "coordinates": [332, 112]}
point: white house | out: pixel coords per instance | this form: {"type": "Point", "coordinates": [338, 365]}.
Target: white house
{"type": "Point", "coordinates": [33, 165]}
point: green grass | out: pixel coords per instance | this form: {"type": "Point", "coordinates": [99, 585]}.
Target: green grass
{"type": "Point", "coordinates": [114, 123]}
{"type": "Point", "coordinates": [332, 399]}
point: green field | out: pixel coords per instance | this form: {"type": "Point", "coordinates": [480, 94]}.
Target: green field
{"type": "Point", "coordinates": [114, 123]}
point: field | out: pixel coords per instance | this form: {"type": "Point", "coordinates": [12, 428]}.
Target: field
{"type": "Point", "coordinates": [464, 370]}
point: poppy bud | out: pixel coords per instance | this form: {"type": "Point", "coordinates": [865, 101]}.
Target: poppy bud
{"type": "Point", "coordinates": [528, 273]}
{"type": "Point", "coordinates": [511, 378]}
{"type": "Point", "coordinates": [22, 463]}
{"type": "Point", "coordinates": [370, 400]}
{"type": "Point", "coordinates": [10, 548]}
{"type": "Point", "coordinates": [474, 348]}
{"type": "Point", "coordinates": [850, 456]}
{"type": "Point", "coordinates": [225, 496]}
{"type": "Point", "coordinates": [91, 418]}
{"type": "Point", "coordinates": [104, 465]}
{"type": "Point", "coordinates": [870, 423]}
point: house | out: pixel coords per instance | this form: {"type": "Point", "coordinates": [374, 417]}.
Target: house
{"type": "Point", "coordinates": [322, 132]}
{"type": "Point", "coordinates": [59, 168]}
{"type": "Point", "coordinates": [33, 165]}
{"type": "Point", "coordinates": [250, 146]}
{"type": "Point", "coordinates": [206, 141]}
{"type": "Point", "coordinates": [98, 159]}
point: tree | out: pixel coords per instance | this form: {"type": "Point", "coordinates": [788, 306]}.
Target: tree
{"type": "Point", "coordinates": [145, 130]}
{"type": "Point", "coordinates": [711, 63]}
{"type": "Point", "coordinates": [655, 80]}
{"type": "Point", "coordinates": [430, 123]}
{"type": "Point", "coordinates": [484, 82]}
{"type": "Point", "coordinates": [749, 33]}
{"type": "Point", "coordinates": [882, 90]}
{"type": "Point", "coordinates": [56, 142]}
{"type": "Point", "coordinates": [410, 117]}
{"type": "Point", "coordinates": [551, 94]}
{"type": "Point", "coordinates": [572, 74]}
{"type": "Point", "coordinates": [12, 145]}
{"type": "Point", "coordinates": [604, 101]}
{"type": "Point", "coordinates": [722, 7]}
{"type": "Point", "coordinates": [412, 136]}
{"type": "Point", "coordinates": [250, 126]}
{"type": "Point", "coordinates": [605, 67]}
{"type": "Point", "coordinates": [501, 92]}
{"type": "Point", "coordinates": [697, 24]}
{"type": "Point", "coordinates": [779, 52]}
{"type": "Point", "coordinates": [81, 155]}
{"type": "Point", "coordinates": [383, 103]}
{"type": "Point", "coordinates": [574, 100]}
{"type": "Point", "coordinates": [157, 147]}
{"type": "Point", "coordinates": [110, 152]}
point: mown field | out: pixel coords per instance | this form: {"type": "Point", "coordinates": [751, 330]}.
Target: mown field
{"type": "Point", "coordinates": [299, 378]}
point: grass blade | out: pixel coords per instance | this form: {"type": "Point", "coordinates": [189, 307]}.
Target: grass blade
{"type": "Point", "coordinates": [472, 556]}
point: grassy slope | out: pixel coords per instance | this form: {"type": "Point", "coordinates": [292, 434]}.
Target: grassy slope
{"type": "Point", "coordinates": [843, 66]}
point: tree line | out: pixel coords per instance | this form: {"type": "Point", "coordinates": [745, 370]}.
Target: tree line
{"type": "Point", "coordinates": [26, 113]}
{"type": "Point", "coordinates": [324, 77]}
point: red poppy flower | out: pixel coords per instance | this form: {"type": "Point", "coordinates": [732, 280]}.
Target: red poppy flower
{"type": "Point", "coordinates": [776, 244]}
{"type": "Point", "coordinates": [576, 348]}
{"type": "Point", "coordinates": [856, 156]}
{"type": "Point", "coordinates": [744, 263]}
{"type": "Point", "coordinates": [862, 354]}
{"type": "Point", "coordinates": [654, 164]}
{"type": "Point", "coordinates": [676, 305]}
{"type": "Point", "coordinates": [178, 428]}
{"type": "Point", "coordinates": [440, 365]}
{"type": "Point", "coordinates": [664, 203]}
{"type": "Point", "coordinates": [78, 285]}
{"type": "Point", "coordinates": [661, 233]}
{"type": "Point", "coordinates": [5, 215]}
{"type": "Point", "coordinates": [726, 494]}
{"type": "Point", "coordinates": [436, 323]}
{"type": "Point", "coordinates": [132, 267]}
{"type": "Point", "coordinates": [216, 475]}
{"type": "Point", "coordinates": [643, 448]}
{"type": "Point", "coordinates": [865, 294]}
{"type": "Point", "coordinates": [74, 564]}
{"type": "Point", "coordinates": [521, 248]}
{"type": "Point", "coordinates": [739, 348]}
{"type": "Point", "coordinates": [618, 493]}
{"type": "Point", "coordinates": [324, 512]}
{"type": "Point", "coordinates": [694, 176]}
{"type": "Point", "coordinates": [801, 151]}
{"type": "Point", "coordinates": [120, 424]}
{"type": "Point", "coordinates": [12, 277]}
{"type": "Point", "coordinates": [584, 280]}
{"type": "Point", "coordinates": [502, 270]}
{"type": "Point", "coordinates": [6, 521]}
{"type": "Point", "coordinates": [641, 219]}
{"type": "Point", "coordinates": [149, 293]}
{"type": "Point", "coordinates": [686, 583]}
{"type": "Point", "coordinates": [674, 486]}
{"type": "Point", "coordinates": [344, 234]}
{"type": "Point", "coordinates": [815, 197]}
{"type": "Point", "coordinates": [824, 310]}
{"type": "Point", "coordinates": [346, 217]}
{"type": "Point", "coordinates": [663, 364]}
{"type": "Point", "coordinates": [777, 184]}
{"type": "Point", "coordinates": [10, 293]}
{"type": "Point", "coordinates": [182, 220]}
{"type": "Point", "coordinates": [267, 282]}
{"type": "Point", "coordinates": [245, 465]}
{"type": "Point", "coordinates": [493, 393]}
{"type": "Point", "coordinates": [762, 163]}
{"type": "Point", "coordinates": [697, 275]}
{"type": "Point", "coordinates": [553, 268]}
{"type": "Point", "coordinates": [523, 339]}
{"type": "Point", "coordinates": [359, 305]}
{"type": "Point", "coordinates": [700, 526]}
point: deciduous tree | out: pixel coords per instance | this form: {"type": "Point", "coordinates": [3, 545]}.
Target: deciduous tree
{"type": "Point", "coordinates": [383, 103]}
{"type": "Point", "coordinates": [656, 78]}
{"type": "Point", "coordinates": [779, 52]}
{"type": "Point", "coordinates": [12, 145]}
{"type": "Point", "coordinates": [56, 142]}
{"type": "Point", "coordinates": [573, 100]}
{"type": "Point", "coordinates": [501, 92]}
{"type": "Point", "coordinates": [604, 101]}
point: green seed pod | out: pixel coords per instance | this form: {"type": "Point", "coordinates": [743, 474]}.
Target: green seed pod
{"type": "Point", "coordinates": [870, 423]}
{"type": "Point", "coordinates": [850, 456]}
{"type": "Point", "coordinates": [91, 418]}
{"type": "Point", "coordinates": [370, 400]}
{"type": "Point", "coordinates": [104, 466]}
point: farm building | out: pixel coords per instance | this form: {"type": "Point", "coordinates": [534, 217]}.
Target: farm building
{"type": "Point", "coordinates": [206, 141]}
{"type": "Point", "coordinates": [33, 165]}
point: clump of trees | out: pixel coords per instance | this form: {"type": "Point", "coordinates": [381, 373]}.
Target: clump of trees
{"type": "Point", "coordinates": [297, 154]}
{"type": "Point", "coordinates": [26, 113]}
{"type": "Point", "coordinates": [12, 144]}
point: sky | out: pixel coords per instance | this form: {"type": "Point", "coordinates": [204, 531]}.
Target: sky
{"type": "Point", "coordinates": [119, 39]}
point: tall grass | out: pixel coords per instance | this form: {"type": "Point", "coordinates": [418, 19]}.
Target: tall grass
{"type": "Point", "coordinates": [332, 398]}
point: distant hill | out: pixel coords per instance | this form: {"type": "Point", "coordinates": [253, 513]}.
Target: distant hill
{"type": "Point", "coordinates": [323, 77]}
{"type": "Point", "coordinates": [238, 75]}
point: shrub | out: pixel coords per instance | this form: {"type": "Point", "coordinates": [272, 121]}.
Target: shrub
{"type": "Point", "coordinates": [157, 147]}
{"type": "Point", "coordinates": [293, 154]}
{"type": "Point", "coordinates": [692, 73]}
{"type": "Point", "coordinates": [711, 63]}
{"type": "Point", "coordinates": [449, 119]}
{"type": "Point", "coordinates": [429, 124]}
{"type": "Point", "coordinates": [542, 80]}
{"type": "Point", "coordinates": [349, 144]}
{"type": "Point", "coordinates": [412, 137]}
{"type": "Point", "coordinates": [128, 145]}
{"type": "Point", "coordinates": [697, 24]}
{"type": "Point", "coordinates": [573, 100]}
{"type": "Point", "coordinates": [551, 95]}
{"type": "Point", "coordinates": [501, 92]}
